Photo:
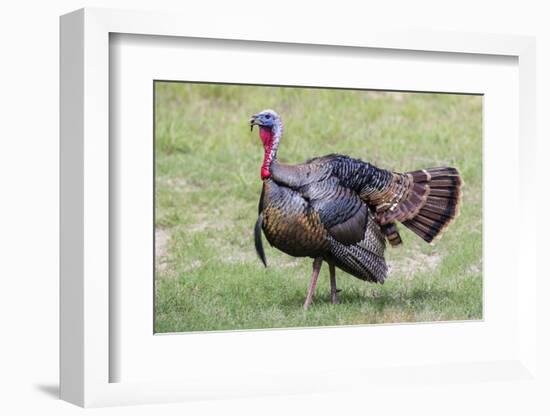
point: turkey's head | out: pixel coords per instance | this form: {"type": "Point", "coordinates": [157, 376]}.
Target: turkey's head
{"type": "Point", "coordinates": [271, 130]}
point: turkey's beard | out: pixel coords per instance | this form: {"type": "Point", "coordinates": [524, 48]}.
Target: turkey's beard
{"type": "Point", "coordinates": [271, 142]}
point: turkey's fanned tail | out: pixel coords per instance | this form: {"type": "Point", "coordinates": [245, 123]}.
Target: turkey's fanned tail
{"type": "Point", "coordinates": [440, 204]}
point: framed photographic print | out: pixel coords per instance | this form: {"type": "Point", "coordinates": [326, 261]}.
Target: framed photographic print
{"type": "Point", "coordinates": [363, 152]}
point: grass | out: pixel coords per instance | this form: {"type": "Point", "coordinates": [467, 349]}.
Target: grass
{"type": "Point", "coordinates": [207, 189]}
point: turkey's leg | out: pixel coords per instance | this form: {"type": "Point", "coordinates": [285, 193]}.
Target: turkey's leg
{"type": "Point", "coordinates": [316, 269]}
{"type": "Point", "coordinates": [333, 290]}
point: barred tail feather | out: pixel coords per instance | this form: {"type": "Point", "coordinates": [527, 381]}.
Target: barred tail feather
{"type": "Point", "coordinates": [392, 234]}
{"type": "Point", "coordinates": [441, 205]}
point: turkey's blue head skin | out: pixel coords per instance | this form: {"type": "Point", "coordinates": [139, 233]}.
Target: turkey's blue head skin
{"type": "Point", "coordinates": [266, 118]}
{"type": "Point", "coordinates": [271, 130]}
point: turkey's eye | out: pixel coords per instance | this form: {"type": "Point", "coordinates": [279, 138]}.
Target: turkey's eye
{"type": "Point", "coordinates": [268, 116]}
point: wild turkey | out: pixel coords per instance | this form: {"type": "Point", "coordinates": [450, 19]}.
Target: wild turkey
{"type": "Point", "coordinates": [341, 210]}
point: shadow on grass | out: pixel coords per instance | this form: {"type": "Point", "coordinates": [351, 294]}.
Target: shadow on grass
{"type": "Point", "coordinates": [379, 302]}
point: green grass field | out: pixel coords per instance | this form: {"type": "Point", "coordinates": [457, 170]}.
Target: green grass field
{"type": "Point", "coordinates": [207, 189]}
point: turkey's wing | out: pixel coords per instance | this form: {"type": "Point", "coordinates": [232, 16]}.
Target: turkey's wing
{"type": "Point", "coordinates": [340, 209]}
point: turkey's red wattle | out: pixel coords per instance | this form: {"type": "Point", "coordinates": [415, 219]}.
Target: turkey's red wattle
{"type": "Point", "coordinates": [266, 134]}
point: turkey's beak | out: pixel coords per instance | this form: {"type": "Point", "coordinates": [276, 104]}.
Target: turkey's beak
{"type": "Point", "coordinates": [253, 121]}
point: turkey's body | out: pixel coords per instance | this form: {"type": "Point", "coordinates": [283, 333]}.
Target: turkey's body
{"type": "Point", "coordinates": [307, 212]}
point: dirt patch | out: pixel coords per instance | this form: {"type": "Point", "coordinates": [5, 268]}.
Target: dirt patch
{"type": "Point", "coordinates": [162, 237]}
{"type": "Point", "coordinates": [474, 269]}
{"type": "Point", "coordinates": [195, 264]}
{"type": "Point", "coordinates": [408, 266]}
{"type": "Point", "coordinates": [177, 184]}
{"type": "Point", "coordinates": [204, 221]}
{"type": "Point", "coordinates": [396, 96]}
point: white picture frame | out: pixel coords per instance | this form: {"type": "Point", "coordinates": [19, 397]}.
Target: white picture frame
{"type": "Point", "coordinates": [86, 356]}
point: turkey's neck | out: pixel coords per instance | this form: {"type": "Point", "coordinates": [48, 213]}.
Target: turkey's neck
{"type": "Point", "coordinates": [270, 138]}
